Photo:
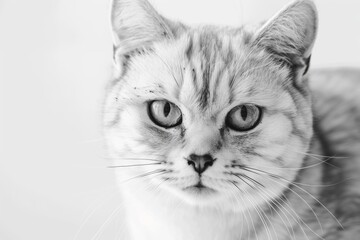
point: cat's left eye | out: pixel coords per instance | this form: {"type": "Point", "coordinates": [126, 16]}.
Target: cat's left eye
{"type": "Point", "coordinates": [243, 117]}
{"type": "Point", "coordinates": [164, 113]}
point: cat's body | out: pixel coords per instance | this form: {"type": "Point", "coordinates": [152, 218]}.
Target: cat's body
{"type": "Point", "coordinates": [214, 129]}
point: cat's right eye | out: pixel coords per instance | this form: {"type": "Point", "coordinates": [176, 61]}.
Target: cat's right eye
{"type": "Point", "coordinates": [164, 113]}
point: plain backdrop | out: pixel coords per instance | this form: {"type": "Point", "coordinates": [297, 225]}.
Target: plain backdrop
{"type": "Point", "coordinates": [55, 61]}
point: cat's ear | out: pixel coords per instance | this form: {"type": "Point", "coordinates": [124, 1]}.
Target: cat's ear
{"type": "Point", "coordinates": [289, 36]}
{"type": "Point", "coordinates": [136, 25]}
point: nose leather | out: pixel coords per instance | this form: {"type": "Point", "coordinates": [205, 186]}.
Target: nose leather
{"type": "Point", "coordinates": [200, 162]}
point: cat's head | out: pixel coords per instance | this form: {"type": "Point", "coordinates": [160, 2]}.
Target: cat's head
{"type": "Point", "coordinates": [210, 115]}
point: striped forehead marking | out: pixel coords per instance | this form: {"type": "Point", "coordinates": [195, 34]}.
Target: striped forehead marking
{"type": "Point", "coordinates": [213, 58]}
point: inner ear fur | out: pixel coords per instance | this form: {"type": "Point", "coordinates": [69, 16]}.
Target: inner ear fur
{"type": "Point", "coordinates": [136, 26]}
{"type": "Point", "coordinates": [290, 35]}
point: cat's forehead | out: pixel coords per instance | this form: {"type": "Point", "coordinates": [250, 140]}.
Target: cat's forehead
{"type": "Point", "coordinates": [210, 62]}
{"type": "Point", "coordinates": [207, 70]}
{"type": "Point", "coordinates": [217, 67]}
{"type": "Point", "coordinates": [211, 47]}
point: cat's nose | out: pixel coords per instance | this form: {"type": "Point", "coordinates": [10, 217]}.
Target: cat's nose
{"type": "Point", "coordinates": [200, 162]}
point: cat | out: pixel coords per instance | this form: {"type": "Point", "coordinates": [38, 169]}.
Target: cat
{"type": "Point", "coordinates": [224, 133]}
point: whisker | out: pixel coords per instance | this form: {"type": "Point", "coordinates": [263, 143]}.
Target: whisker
{"type": "Point", "coordinates": [247, 210]}
{"type": "Point", "coordinates": [240, 175]}
{"type": "Point", "coordinates": [157, 186]}
{"type": "Point", "coordinates": [323, 185]}
{"type": "Point", "coordinates": [135, 165]}
{"type": "Point", "coordinates": [236, 185]}
{"type": "Point", "coordinates": [137, 159]}
{"type": "Point", "coordinates": [168, 68]}
{"type": "Point", "coordinates": [260, 214]}
{"type": "Point", "coordinates": [145, 175]}
{"type": "Point", "coordinates": [100, 230]}
{"type": "Point", "coordinates": [244, 181]}
{"type": "Point", "coordinates": [279, 177]}
{"type": "Point", "coordinates": [318, 201]}
{"type": "Point", "coordinates": [296, 218]}
{"type": "Point", "coordinates": [292, 233]}
{"type": "Point", "coordinates": [93, 209]}
{"type": "Point", "coordinates": [303, 190]}
{"type": "Point", "coordinates": [318, 155]}
{"type": "Point", "coordinates": [307, 204]}
{"type": "Point", "coordinates": [256, 171]}
{"type": "Point", "coordinates": [253, 180]}
{"type": "Point", "coordinates": [299, 168]}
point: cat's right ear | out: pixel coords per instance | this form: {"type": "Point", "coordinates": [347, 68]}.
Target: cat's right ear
{"type": "Point", "coordinates": [136, 25]}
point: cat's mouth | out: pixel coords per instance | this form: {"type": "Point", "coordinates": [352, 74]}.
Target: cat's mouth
{"type": "Point", "coordinates": [199, 188]}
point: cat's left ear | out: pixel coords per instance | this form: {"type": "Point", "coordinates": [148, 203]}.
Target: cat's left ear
{"type": "Point", "coordinates": [290, 35]}
{"type": "Point", "coordinates": [136, 25]}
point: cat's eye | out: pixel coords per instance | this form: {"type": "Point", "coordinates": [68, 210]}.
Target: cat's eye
{"type": "Point", "coordinates": [243, 117]}
{"type": "Point", "coordinates": [164, 113]}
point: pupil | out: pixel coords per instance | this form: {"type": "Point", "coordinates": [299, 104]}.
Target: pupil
{"type": "Point", "coordinates": [167, 109]}
{"type": "Point", "coordinates": [243, 113]}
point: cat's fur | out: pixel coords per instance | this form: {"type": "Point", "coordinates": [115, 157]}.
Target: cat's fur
{"type": "Point", "coordinates": [289, 188]}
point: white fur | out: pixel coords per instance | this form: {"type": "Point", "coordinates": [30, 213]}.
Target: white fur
{"type": "Point", "coordinates": [164, 210]}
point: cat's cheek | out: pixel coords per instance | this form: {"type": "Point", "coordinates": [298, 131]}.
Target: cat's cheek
{"type": "Point", "coordinates": [274, 134]}
{"type": "Point", "coordinates": [293, 157]}
{"type": "Point", "coordinates": [276, 128]}
{"type": "Point", "coordinates": [123, 139]}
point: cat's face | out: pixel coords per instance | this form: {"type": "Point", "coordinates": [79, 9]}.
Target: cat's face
{"type": "Point", "coordinates": [208, 117]}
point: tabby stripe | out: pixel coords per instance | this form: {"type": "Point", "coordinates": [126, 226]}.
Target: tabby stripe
{"type": "Point", "coordinates": [194, 79]}
{"type": "Point", "coordinates": [216, 84]}
{"type": "Point", "coordinates": [189, 50]}
{"type": "Point", "coordinates": [204, 95]}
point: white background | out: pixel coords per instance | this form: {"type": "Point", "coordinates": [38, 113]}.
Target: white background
{"type": "Point", "coordinates": [55, 60]}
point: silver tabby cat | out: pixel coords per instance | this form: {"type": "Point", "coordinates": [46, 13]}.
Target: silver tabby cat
{"type": "Point", "coordinates": [222, 133]}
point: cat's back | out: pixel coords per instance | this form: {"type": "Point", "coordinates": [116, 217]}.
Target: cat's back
{"type": "Point", "coordinates": [343, 83]}
{"type": "Point", "coordinates": [336, 100]}
{"type": "Point", "coordinates": [336, 103]}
